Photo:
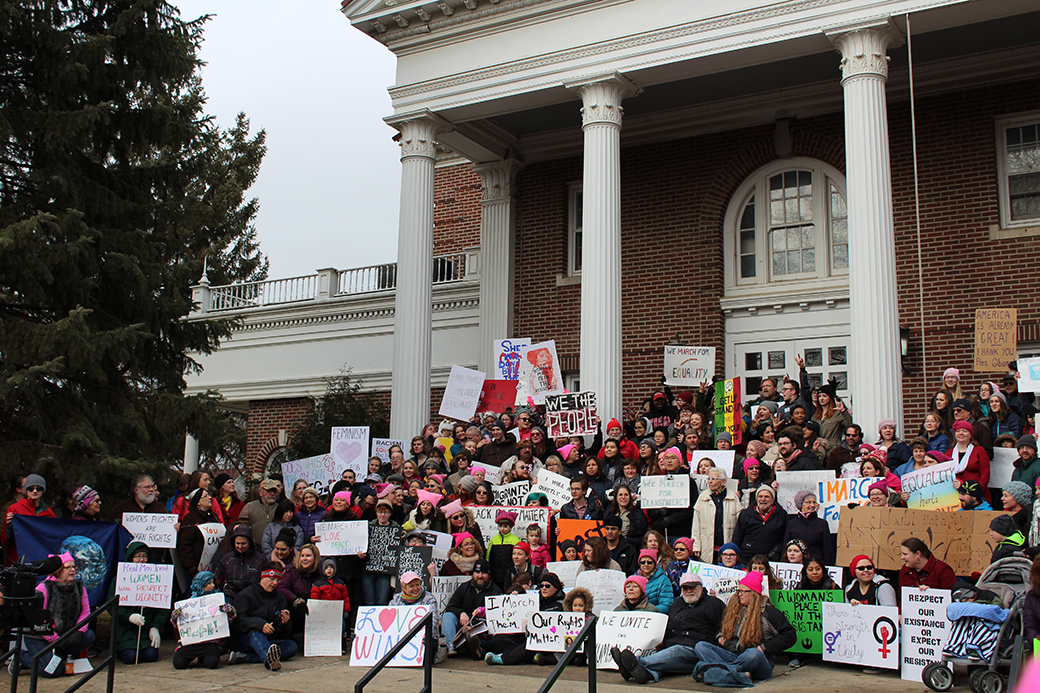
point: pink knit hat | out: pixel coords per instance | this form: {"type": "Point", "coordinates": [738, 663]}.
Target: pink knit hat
{"type": "Point", "coordinates": [639, 580]}
{"type": "Point", "coordinates": [750, 462]}
{"type": "Point", "coordinates": [345, 495]}
{"type": "Point", "coordinates": [461, 537]}
{"type": "Point", "coordinates": [649, 553]}
{"type": "Point", "coordinates": [672, 451]}
{"type": "Point", "coordinates": [880, 485]}
{"type": "Point", "coordinates": [565, 451]}
{"type": "Point", "coordinates": [753, 581]}
{"type": "Point", "coordinates": [433, 498]}
{"type": "Point", "coordinates": [957, 425]}
{"type": "Point", "coordinates": [685, 541]}
{"type": "Point", "coordinates": [452, 508]}
{"type": "Point", "coordinates": [952, 371]}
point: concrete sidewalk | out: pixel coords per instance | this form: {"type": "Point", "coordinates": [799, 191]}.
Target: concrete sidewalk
{"type": "Point", "coordinates": [457, 675]}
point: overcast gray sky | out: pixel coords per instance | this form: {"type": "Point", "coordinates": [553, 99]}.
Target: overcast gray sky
{"type": "Point", "coordinates": [329, 186]}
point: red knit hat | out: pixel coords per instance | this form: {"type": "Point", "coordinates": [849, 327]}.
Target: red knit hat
{"type": "Point", "coordinates": [855, 562]}
{"type": "Point", "coordinates": [614, 423]}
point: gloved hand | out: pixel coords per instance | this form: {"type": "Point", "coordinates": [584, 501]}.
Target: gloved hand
{"type": "Point", "coordinates": [154, 637]}
{"type": "Point", "coordinates": [303, 602]}
{"type": "Point", "coordinates": [136, 619]}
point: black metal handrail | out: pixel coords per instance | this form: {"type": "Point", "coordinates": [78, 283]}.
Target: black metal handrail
{"type": "Point", "coordinates": [428, 655]}
{"type": "Point", "coordinates": [109, 661]}
{"type": "Point", "coordinates": [587, 635]}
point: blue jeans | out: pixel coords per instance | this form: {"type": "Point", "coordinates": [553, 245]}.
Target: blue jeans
{"type": "Point", "coordinates": [449, 627]}
{"type": "Point", "coordinates": [376, 589]}
{"type": "Point", "coordinates": [33, 645]}
{"type": "Point", "coordinates": [677, 659]}
{"type": "Point", "coordinates": [255, 644]}
{"type": "Point", "coordinates": [751, 660]}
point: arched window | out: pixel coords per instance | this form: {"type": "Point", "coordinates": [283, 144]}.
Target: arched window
{"type": "Point", "coordinates": [787, 226]}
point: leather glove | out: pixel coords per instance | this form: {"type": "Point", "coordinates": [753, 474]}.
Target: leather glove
{"type": "Point", "coordinates": [136, 619]}
{"type": "Point", "coordinates": [154, 637]}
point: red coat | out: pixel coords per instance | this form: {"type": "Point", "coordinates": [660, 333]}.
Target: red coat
{"type": "Point", "coordinates": [977, 469]}
{"type": "Point", "coordinates": [24, 506]}
{"type": "Point", "coordinates": [934, 574]}
{"type": "Point", "coordinates": [332, 592]}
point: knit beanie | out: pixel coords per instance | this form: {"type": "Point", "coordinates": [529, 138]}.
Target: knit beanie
{"type": "Point", "coordinates": [800, 497]}
{"type": "Point", "coordinates": [35, 480]}
{"type": "Point", "coordinates": [84, 496]}
{"type": "Point", "coordinates": [639, 580]}
{"type": "Point", "coordinates": [1003, 525]}
{"type": "Point", "coordinates": [1028, 440]}
{"type": "Point", "coordinates": [753, 581]}
{"type": "Point", "coordinates": [1020, 491]}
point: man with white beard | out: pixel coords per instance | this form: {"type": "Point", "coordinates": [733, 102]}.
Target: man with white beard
{"type": "Point", "coordinates": [695, 617]}
{"type": "Point", "coordinates": [145, 500]}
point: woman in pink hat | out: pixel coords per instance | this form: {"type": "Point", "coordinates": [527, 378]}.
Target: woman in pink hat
{"type": "Point", "coordinates": [66, 599]}
{"type": "Point", "coordinates": [635, 596]}
{"type": "Point", "coordinates": [658, 587]}
{"type": "Point", "coordinates": [424, 515]}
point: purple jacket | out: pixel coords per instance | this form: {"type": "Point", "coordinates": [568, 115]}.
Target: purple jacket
{"type": "Point", "coordinates": [296, 584]}
{"type": "Point", "coordinates": [1031, 615]}
{"type": "Point", "coordinates": [307, 520]}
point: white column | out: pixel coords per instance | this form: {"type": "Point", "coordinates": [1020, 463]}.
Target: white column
{"type": "Point", "coordinates": [497, 252]}
{"type": "Point", "coordinates": [875, 369]}
{"type": "Point", "coordinates": [601, 241]}
{"type": "Point", "coordinates": [413, 319]}
{"type": "Point", "coordinates": [191, 453]}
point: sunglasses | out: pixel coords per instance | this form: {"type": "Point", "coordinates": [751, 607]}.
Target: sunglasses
{"type": "Point", "coordinates": [32, 489]}
{"type": "Point", "coordinates": [546, 585]}
{"type": "Point", "coordinates": [646, 562]}
{"type": "Point", "coordinates": [865, 568]}
{"type": "Point", "coordinates": [524, 418]}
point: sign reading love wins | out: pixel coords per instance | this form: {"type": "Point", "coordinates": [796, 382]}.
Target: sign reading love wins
{"type": "Point", "coordinates": [379, 628]}
{"type": "Point", "coordinates": [201, 619]}
{"type": "Point", "coordinates": [349, 449]}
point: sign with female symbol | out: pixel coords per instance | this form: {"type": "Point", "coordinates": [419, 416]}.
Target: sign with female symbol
{"type": "Point", "coordinates": [861, 635]}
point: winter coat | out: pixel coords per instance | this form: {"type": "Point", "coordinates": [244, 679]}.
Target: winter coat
{"type": "Point", "coordinates": [427, 599]}
{"type": "Point", "coordinates": [703, 530]}
{"type": "Point", "coordinates": [592, 511]}
{"type": "Point", "coordinates": [940, 442]}
{"type": "Point", "coordinates": [468, 597]}
{"type": "Point", "coordinates": [804, 461]}
{"type": "Point", "coordinates": [256, 607]}
{"type": "Point", "coordinates": [977, 468]}
{"type": "Point", "coordinates": [1031, 615]}
{"type": "Point", "coordinates": [500, 556]}
{"type": "Point", "coordinates": [1027, 473]}
{"type": "Point", "coordinates": [48, 588]}
{"type": "Point", "coordinates": [191, 542]}
{"type": "Point", "coordinates": [540, 555]}
{"type": "Point", "coordinates": [643, 605]}
{"type": "Point", "coordinates": [494, 454]}
{"type": "Point", "coordinates": [689, 624]}
{"type": "Point", "coordinates": [814, 532]}
{"type": "Point", "coordinates": [129, 636]}
{"type": "Point", "coordinates": [637, 523]}
{"type": "Point", "coordinates": [257, 515]}
{"type": "Point", "coordinates": [236, 571]}
{"type": "Point", "coordinates": [659, 591]}
{"type": "Point", "coordinates": [1012, 424]}
{"type": "Point", "coordinates": [626, 554]}
{"type": "Point", "coordinates": [935, 573]}
{"type": "Point", "coordinates": [297, 584]}
{"type": "Point", "coordinates": [307, 519]}
{"type": "Point", "coordinates": [271, 535]}
{"type": "Point", "coordinates": [833, 427]}
{"type": "Point", "coordinates": [756, 534]}
{"type": "Point", "coordinates": [24, 506]}
{"type": "Point", "coordinates": [331, 590]}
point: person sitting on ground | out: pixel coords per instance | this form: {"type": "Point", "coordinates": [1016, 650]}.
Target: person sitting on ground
{"type": "Point", "coordinates": [658, 587]}
{"type": "Point", "coordinates": [262, 630]}
{"type": "Point", "coordinates": [921, 569]}
{"type": "Point", "coordinates": [867, 586]}
{"type": "Point", "coordinates": [693, 618]}
{"type": "Point", "coordinates": [511, 648]}
{"type": "Point", "coordinates": [208, 652]}
{"type": "Point", "coordinates": [466, 604]}
{"type": "Point", "coordinates": [138, 636]}
{"type": "Point", "coordinates": [635, 596]}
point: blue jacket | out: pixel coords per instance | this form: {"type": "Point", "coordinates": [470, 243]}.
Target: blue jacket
{"type": "Point", "coordinates": [659, 591]}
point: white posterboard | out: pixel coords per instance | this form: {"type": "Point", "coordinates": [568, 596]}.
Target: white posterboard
{"type": "Point", "coordinates": [710, 573]}
{"type": "Point", "coordinates": [200, 619]}
{"type": "Point", "coordinates": [145, 584]}
{"type": "Point", "coordinates": [323, 628]}
{"type": "Point", "coordinates": [462, 393]}
{"type": "Point", "coordinates": [556, 487]}
{"type": "Point", "coordinates": [836, 494]}
{"type": "Point", "coordinates": [318, 471]}
{"type": "Point", "coordinates": [152, 529]}
{"type": "Point", "coordinates": [379, 628]}
{"type": "Point", "coordinates": [664, 491]}
{"type": "Point", "coordinates": [925, 630]}
{"type": "Point", "coordinates": [688, 366]}
{"type": "Point", "coordinates": [507, 357]}
{"type": "Point", "coordinates": [606, 586]}
{"type": "Point", "coordinates": [863, 636]}
{"type": "Point", "coordinates": [213, 533]}
{"type": "Point", "coordinates": [513, 494]}
{"type": "Point", "coordinates": [567, 571]}
{"type": "Point", "coordinates": [639, 631]}
{"type": "Point", "coordinates": [349, 449]}
{"type": "Point", "coordinates": [553, 631]}
{"type": "Point", "coordinates": [540, 373]}
{"type": "Point", "coordinates": [723, 459]}
{"type": "Point", "coordinates": [790, 483]}
{"type": "Point", "coordinates": [1002, 466]}
{"type": "Point", "coordinates": [342, 538]}
{"type": "Point", "coordinates": [525, 516]}
{"type": "Point", "coordinates": [506, 613]}
{"type": "Point", "coordinates": [381, 447]}
{"type": "Point", "coordinates": [1029, 374]}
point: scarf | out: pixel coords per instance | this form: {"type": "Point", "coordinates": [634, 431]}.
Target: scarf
{"type": "Point", "coordinates": [64, 603]}
{"type": "Point", "coordinates": [412, 600]}
{"type": "Point", "coordinates": [465, 564]}
{"type": "Point", "coordinates": [959, 466]}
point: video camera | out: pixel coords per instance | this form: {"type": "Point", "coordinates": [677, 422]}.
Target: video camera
{"type": "Point", "coordinates": [21, 606]}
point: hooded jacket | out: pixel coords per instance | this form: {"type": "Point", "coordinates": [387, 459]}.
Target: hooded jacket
{"type": "Point", "coordinates": [659, 590]}
{"type": "Point", "coordinates": [330, 589]}
{"type": "Point", "coordinates": [237, 570]}
{"type": "Point", "coordinates": [129, 636]}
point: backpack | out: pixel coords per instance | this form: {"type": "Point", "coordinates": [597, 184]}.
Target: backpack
{"type": "Point", "coordinates": [719, 674]}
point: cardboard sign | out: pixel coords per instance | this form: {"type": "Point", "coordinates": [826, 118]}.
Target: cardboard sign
{"type": "Point", "coordinates": [790, 483]}
{"type": "Point", "coordinates": [567, 571]}
{"type": "Point", "coordinates": [511, 494]}
{"type": "Point", "coordinates": [381, 447]}
{"type": "Point", "coordinates": [540, 373]}
{"type": "Point", "coordinates": [925, 630]}
{"type": "Point", "coordinates": [417, 559]}
{"type": "Point", "coordinates": [462, 393]}
{"type": "Point", "coordinates": [485, 518]}
{"type": "Point", "coordinates": [932, 488]}
{"type": "Point", "coordinates": [200, 619]}
{"type": "Point", "coordinates": [443, 586]}
{"type": "Point", "coordinates": [145, 584]}
{"type": "Point", "coordinates": [152, 529]}
{"type": "Point", "coordinates": [1002, 466]}
{"type": "Point", "coordinates": [507, 359]}
{"type": "Point", "coordinates": [639, 631]}
{"type": "Point", "coordinates": [323, 628]}
{"type": "Point", "coordinates": [727, 408]}
{"type": "Point", "coordinates": [318, 471]}
{"type": "Point", "coordinates": [664, 491]}
{"type": "Point", "coordinates": [556, 487]}
{"type": "Point", "coordinates": [791, 574]}
{"type": "Point", "coordinates": [688, 366]}
{"type": "Point", "coordinates": [349, 450]}
{"type": "Point", "coordinates": [803, 610]}
{"type": "Point", "coordinates": [996, 339]}
{"type": "Point", "coordinates": [213, 533]}
{"type": "Point", "coordinates": [379, 628]}
{"type": "Point", "coordinates": [553, 631]}
{"type": "Point", "coordinates": [383, 543]}
{"type": "Point", "coordinates": [571, 414]}
{"type": "Point", "coordinates": [606, 586]}
{"type": "Point", "coordinates": [959, 539]}
{"type": "Point", "coordinates": [506, 613]}
{"type": "Point", "coordinates": [864, 636]}
{"type": "Point", "coordinates": [1029, 374]}
{"type": "Point", "coordinates": [577, 531]}
{"type": "Point", "coordinates": [497, 395]}
{"type": "Point", "coordinates": [342, 538]}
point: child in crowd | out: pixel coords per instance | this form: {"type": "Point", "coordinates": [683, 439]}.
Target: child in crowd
{"type": "Point", "coordinates": [539, 551]}
{"type": "Point", "coordinates": [331, 588]}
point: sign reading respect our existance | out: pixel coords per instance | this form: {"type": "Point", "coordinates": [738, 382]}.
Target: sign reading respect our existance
{"type": "Point", "coordinates": [925, 630]}
{"type": "Point", "coordinates": [571, 414]}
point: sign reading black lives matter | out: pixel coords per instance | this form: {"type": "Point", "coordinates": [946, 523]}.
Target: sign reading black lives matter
{"type": "Point", "coordinates": [571, 414]}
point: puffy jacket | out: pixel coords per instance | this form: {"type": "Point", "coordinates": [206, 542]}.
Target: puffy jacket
{"type": "Point", "coordinates": [814, 532]}
{"type": "Point", "coordinates": [659, 591]}
{"type": "Point", "coordinates": [297, 584]}
{"type": "Point", "coordinates": [257, 607]}
{"type": "Point", "coordinates": [333, 591]}
{"type": "Point", "coordinates": [689, 624]}
{"type": "Point", "coordinates": [237, 570]}
{"type": "Point", "coordinates": [306, 520]}
{"type": "Point", "coordinates": [540, 555]}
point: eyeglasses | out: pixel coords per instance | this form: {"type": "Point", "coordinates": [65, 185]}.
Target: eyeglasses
{"type": "Point", "coordinates": [787, 388]}
{"type": "Point", "coordinates": [729, 554]}
{"type": "Point", "coordinates": [743, 591]}
{"type": "Point", "coordinates": [865, 568]}
{"type": "Point", "coordinates": [33, 489]}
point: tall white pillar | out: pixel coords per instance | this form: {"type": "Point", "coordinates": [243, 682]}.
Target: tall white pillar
{"type": "Point", "coordinates": [497, 253]}
{"type": "Point", "coordinates": [601, 241]}
{"type": "Point", "coordinates": [875, 368]}
{"type": "Point", "coordinates": [191, 453]}
{"type": "Point", "coordinates": [413, 303]}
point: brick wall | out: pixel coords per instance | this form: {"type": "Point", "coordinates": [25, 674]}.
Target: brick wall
{"type": "Point", "coordinates": [266, 419]}
{"type": "Point", "coordinates": [456, 209]}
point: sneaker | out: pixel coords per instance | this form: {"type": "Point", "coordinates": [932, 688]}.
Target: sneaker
{"type": "Point", "coordinates": [639, 673]}
{"type": "Point", "coordinates": [492, 658]}
{"type": "Point", "coordinates": [237, 657]}
{"type": "Point", "coordinates": [10, 667]}
{"type": "Point", "coordinates": [794, 663]}
{"type": "Point", "coordinates": [474, 645]}
{"type": "Point", "coordinates": [274, 658]}
{"type": "Point", "coordinates": [452, 653]}
{"type": "Point", "coordinates": [615, 654]}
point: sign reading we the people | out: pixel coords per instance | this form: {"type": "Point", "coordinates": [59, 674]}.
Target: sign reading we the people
{"type": "Point", "coordinates": [996, 339]}
{"type": "Point", "coordinates": [571, 414]}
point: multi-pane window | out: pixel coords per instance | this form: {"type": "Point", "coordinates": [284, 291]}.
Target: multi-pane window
{"type": "Point", "coordinates": [574, 232]}
{"type": "Point", "coordinates": [1018, 140]}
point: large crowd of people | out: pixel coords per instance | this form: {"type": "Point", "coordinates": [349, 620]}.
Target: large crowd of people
{"type": "Point", "coordinates": [271, 563]}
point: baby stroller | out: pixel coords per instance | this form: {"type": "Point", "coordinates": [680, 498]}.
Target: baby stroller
{"type": "Point", "coordinates": [1008, 578]}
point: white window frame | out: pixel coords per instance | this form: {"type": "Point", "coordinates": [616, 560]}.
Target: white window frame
{"type": "Point", "coordinates": [758, 184]}
{"type": "Point", "coordinates": [574, 225]}
{"type": "Point", "coordinates": [1004, 194]}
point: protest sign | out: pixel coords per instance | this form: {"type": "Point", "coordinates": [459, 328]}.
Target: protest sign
{"type": "Point", "coordinates": [505, 613]}
{"type": "Point", "coordinates": [710, 573]}
{"type": "Point", "coordinates": [213, 533]}
{"type": "Point", "coordinates": [571, 414]}
{"type": "Point", "coordinates": [577, 531]}
{"type": "Point", "coordinates": [556, 487]}
{"type": "Point", "coordinates": [440, 542]}
{"type": "Point", "coordinates": [416, 559]}
{"type": "Point", "coordinates": [497, 395]}
{"type": "Point", "coordinates": [379, 628]}
{"type": "Point", "coordinates": [485, 518]}
{"type": "Point", "coordinates": [639, 631]}
{"type": "Point", "coordinates": [461, 393]}
{"type": "Point", "coordinates": [925, 630]}
{"type": "Point", "coordinates": [507, 359]}
{"type": "Point", "coordinates": [318, 471]}
{"type": "Point", "coordinates": [688, 366]}
{"type": "Point", "coordinates": [996, 339]}
{"type": "Point", "coordinates": [606, 586]}
{"type": "Point", "coordinates": [932, 488]}
{"type": "Point", "coordinates": [791, 574]}
{"type": "Point", "coordinates": [442, 587]}
{"type": "Point", "coordinates": [865, 636]}
{"type": "Point", "coordinates": [723, 459]}
{"type": "Point", "coordinates": [342, 538]}
{"type": "Point", "coordinates": [849, 469]}
{"type": "Point", "coordinates": [492, 475]}
{"type": "Point", "coordinates": [835, 495]}
{"type": "Point", "coordinates": [727, 408]}
{"type": "Point", "coordinates": [803, 610]}
{"type": "Point", "coordinates": [725, 588]}
{"type": "Point", "coordinates": [152, 529]}
{"type": "Point", "coordinates": [1002, 466]}
{"type": "Point", "coordinates": [567, 571]}
{"type": "Point", "coordinates": [664, 491]}
{"type": "Point", "coordinates": [349, 450]}
{"type": "Point", "coordinates": [1029, 374]}
{"type": "Point", "coordinates": [200, 619]}
{"type": "Point", "coordinates": [961, 539]}
{"type": "Point", "coordinates": [553, 631]}
{"type": "Point", "coordinates": [145, 584]}
{"type": "Point", "coordinates": [383, 543]}
{"type": "Point", "coordinates": [540, 373]}
{"type": "Point", "coordinates": [790, 483]}
{"type": "Point", "coordinates": [381, 447]}
{"type": "Point", "coordinates": [323, 628]}
{"type": "Point", "coordinates": [512, 494]}
{"type": "Point", "coordinates": [701, 481]}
